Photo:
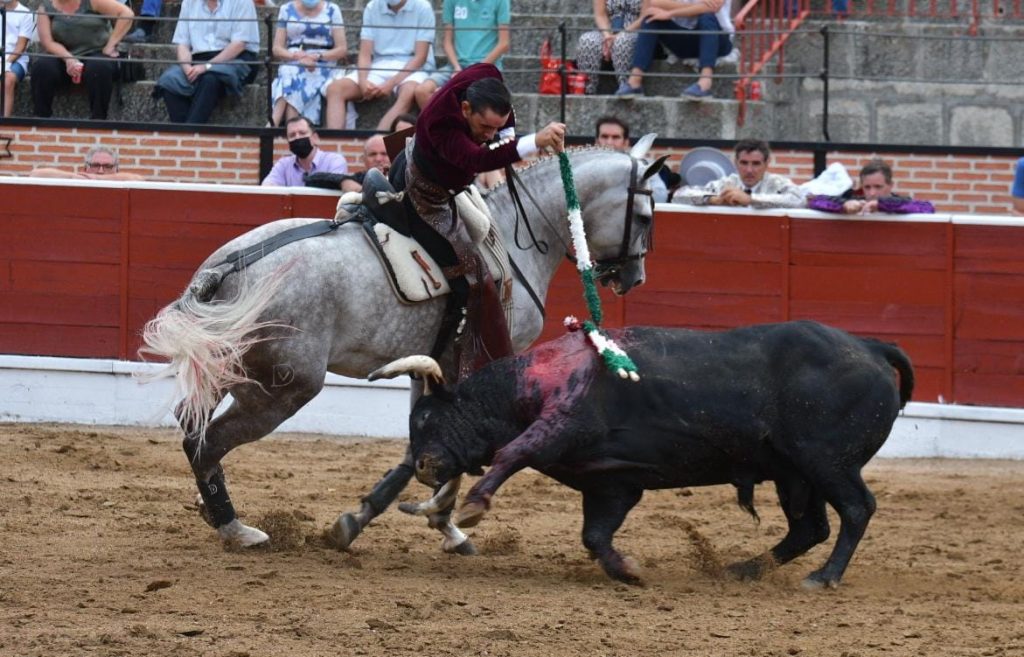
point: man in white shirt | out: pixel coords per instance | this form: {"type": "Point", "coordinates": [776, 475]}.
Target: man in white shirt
{"type": "Point", "coordinates": [752, 186]}
{"type": "Point", "coordinates": [21, 30]}
{"type": "Point", "coordinates": [395, 43]}
{"type": "Point", "coordinates": [216, 40]}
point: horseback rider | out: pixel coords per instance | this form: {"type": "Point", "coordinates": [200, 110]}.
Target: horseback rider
{"type": "Point", "coordinates": [467, 128]}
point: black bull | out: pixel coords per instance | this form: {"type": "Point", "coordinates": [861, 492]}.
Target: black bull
{"type": "Point", "coordinates": [802, 404]}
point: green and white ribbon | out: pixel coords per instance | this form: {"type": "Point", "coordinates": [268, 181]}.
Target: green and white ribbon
{"type": "Point", "coordinates": [614, 357]}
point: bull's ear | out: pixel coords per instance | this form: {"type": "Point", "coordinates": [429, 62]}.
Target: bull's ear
{"type": "Point", "coordinates": [655, 168]}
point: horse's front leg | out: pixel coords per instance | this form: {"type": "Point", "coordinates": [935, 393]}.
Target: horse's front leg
{"type": "Point", "coordinates": [349, 525]}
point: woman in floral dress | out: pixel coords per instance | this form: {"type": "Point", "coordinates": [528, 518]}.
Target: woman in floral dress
{"type": "Point", "coordinates": [613, 40]}
{"type": "Point", "coordinates": [309, 42]}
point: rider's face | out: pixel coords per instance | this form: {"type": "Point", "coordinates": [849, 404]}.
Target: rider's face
{"type": "Point", "coordinates": [483, 125]}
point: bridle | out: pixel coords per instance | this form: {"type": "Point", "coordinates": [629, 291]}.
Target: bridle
{"type": "Point", "coordinates": [611, 265]}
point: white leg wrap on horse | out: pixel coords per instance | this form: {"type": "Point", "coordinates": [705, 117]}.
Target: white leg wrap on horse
{"type": "Point", "coordinates": [241, 535]}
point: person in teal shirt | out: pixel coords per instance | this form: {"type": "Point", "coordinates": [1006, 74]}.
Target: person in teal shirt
{"type": "Point", "coordinates": [475, 31]}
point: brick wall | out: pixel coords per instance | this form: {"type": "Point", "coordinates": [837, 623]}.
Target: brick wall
{"type": "Point", "coordinates": [954, 183]}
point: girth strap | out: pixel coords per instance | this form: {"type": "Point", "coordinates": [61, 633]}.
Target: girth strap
{"type": "Point", "coordinates": [239, 260]}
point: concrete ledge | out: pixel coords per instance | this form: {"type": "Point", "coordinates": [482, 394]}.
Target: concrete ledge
{"type": "Point", "coordinates": [95, 391]}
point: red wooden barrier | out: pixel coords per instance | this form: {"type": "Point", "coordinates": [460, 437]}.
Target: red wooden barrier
{"type": "Point", "coordinates": [83, 267]}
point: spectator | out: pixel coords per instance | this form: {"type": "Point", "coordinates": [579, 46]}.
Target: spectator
{"type": "Point", "coordinates": [306, 157]}
{"type": "Point", "coordinates": [213, 57]}
{"type": "Point", "coordinates": [73, 29]}
{"type": "Point", "coordinates": [752, 186]}
{"type": "Point", "coordinates": [474, 31]}
{"type": "Point", "coordinates": [711, 19]}
{"type": "Point", "coordinates": [375, 156]}
{"type": "Point", "coordinates": [309, 41]}
{"type": "Point", "coordinates": [403, 121]}
{"type": "Point", "coordinates": [394, 45]}
{"type": "Point", "coordinates": [1017, 191]}
{"type": "Point", "coordinates": [612, 132]}
{"type": "Point", "coordinates": [144, 32]}
{"type": "Point", "coordinates": [613, 41]}
{"type": "Point", "coordinates": [21, 30]}
{"type": "Point", "coordinates": [100, 164]}
{"type": "Point", "coordinates": [874, 195]}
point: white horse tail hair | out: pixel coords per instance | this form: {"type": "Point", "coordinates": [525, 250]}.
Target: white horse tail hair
{"type": "Point", "coordinates": [204, 343]}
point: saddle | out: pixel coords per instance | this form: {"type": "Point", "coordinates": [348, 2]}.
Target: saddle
{"type": "Point", "coordinates": [413, 273]}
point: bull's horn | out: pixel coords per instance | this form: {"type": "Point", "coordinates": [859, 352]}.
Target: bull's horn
{"type": "Point", "coordinates": [425, 366]}
{"type": "Point", "coordinates": [640, 148]}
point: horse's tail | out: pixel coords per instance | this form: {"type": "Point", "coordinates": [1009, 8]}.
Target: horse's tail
{"type": "Point", "coordinates": [205, 341]}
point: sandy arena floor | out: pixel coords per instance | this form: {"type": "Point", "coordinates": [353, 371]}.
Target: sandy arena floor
{"type": "Point", "coordinates": [102, 553]}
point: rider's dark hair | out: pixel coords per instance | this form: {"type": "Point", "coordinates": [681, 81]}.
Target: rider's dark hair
{"type": "Point", "coordinates": [877, 166]}
{"type": "Point", "coordinates": [750, 145]}
{"type": "Point", "coordinates": [489, 93]}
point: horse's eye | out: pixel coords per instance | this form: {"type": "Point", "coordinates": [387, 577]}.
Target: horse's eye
{"type": "Point", "coordinates": [643, 220]}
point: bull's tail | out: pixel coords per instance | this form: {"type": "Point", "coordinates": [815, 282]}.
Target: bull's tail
{"type": "Point", "coordinates": [898, 359]}
{"type": "Point", "coordinates": [745, 497]}
{"type": "Point", "coordinates": [205, 342]}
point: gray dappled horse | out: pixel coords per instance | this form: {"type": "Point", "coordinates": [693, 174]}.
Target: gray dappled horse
{"type": "Point", "coordinates": [267, 334]}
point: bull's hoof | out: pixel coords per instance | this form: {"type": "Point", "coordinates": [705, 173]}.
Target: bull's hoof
{"type": "Point", "coordinates": [470, 514]}
{"type": "Point", "coordinates": [344, 530]}
{"type": "Point", "coordinates": [238, 535]}
{"type": "Point", "coordinates": [817, 580]}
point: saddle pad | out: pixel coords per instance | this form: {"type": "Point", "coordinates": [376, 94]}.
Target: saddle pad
{"type": "Point", "coordinates": [413, 274]}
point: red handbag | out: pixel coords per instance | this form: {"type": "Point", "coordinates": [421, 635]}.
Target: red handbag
{"type": "Point", "coordinates": [551, 79]}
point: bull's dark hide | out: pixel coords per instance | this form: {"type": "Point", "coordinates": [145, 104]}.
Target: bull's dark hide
{"type": "Point", "coordinates": [802, 404]}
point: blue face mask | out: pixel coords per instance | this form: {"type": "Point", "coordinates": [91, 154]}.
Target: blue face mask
{"type": "Point", "coordinates": [310, 4]}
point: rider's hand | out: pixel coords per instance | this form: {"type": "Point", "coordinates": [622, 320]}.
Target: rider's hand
{"type": "Point", "coordinates": [552, 136]}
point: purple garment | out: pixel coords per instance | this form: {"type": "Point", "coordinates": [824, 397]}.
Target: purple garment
{"type": "Point", "coordinates": [888, 204]}
{"type": "Point", "coordinates": [287, 172]}
{"type": "Point", "coordinates": [826, 203]}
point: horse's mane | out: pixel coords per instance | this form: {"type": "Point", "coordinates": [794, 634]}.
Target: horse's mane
{"type": "Point", "coordinates": [581, 150]}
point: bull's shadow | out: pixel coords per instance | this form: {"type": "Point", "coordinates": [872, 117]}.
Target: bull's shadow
{"type": "Point", "coordinates": [801, 404]}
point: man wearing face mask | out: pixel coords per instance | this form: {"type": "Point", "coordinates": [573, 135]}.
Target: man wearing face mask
{"type": "Point", "coordinates": [306, 157]}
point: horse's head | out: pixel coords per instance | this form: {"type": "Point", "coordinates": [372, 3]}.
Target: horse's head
{"type": "Point", "coordinates": [618, 212]}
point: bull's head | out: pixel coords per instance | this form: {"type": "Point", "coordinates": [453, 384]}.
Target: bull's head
{"type": "Point", "coordinates": [434, 424]}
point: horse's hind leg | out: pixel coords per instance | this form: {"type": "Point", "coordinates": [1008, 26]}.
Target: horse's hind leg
{"type": "Point", "coordinates": [254, 413]}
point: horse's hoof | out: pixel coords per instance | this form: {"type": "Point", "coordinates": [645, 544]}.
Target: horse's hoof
{"type": "Point", "coordinates": [241, 535]}
{"type": "Point", "coordinates": [344, 530]}
{"type": "Point", "coordinates": [469, 514]}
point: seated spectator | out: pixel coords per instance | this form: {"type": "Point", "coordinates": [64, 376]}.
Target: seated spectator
{"type": "Point", "coordinates": [74, 29]}
{"type": "Point", "coordinates": [403, 121]}
{"type": "Point", "coordinates": [144, 32]}
{"type": "Point", "coordinates": [751, 186]}
{"type": "Point", "coordinates": [306, 157]}
{"type": "Point", "coordinates": [375, 156]}
{"type": "Point", "coordinates": [1017, 192]}
{"type": "Point", "coordinates": [710, 19]}
{"type": "Point", "coordinates": [309, 42]}
{"type": "Point", "coordinates": [614, 40]}
{"type": "Point", "coordinates": [874, 195]}
{"type": "Point", "coordinates": [612, 132]}
{"type": "Point", "coordinates": [21, 30]}
{"type": "Point", "coordinates": [214, 57]}
{"type": "Point", "coordinates": [100, 164]}
{"type": "Point", "coordinates": [394, 45]}
{"type": "Point", "coordinates": [474, 31]}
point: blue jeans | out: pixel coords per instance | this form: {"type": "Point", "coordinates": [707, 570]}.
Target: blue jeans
{"type": "Point", "coordinates": [707, 48]}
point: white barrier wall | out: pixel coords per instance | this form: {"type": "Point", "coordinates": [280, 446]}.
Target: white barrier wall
{"type": "Point", "coordinates": [88, 391]}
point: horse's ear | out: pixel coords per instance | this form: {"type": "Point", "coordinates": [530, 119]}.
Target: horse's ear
{"type": "Point", "coordinates": [655, 168]}
{"type": "Point", "coordinates": [642, 145]}
{"type": "Point", "coordinates": [424, 366]}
